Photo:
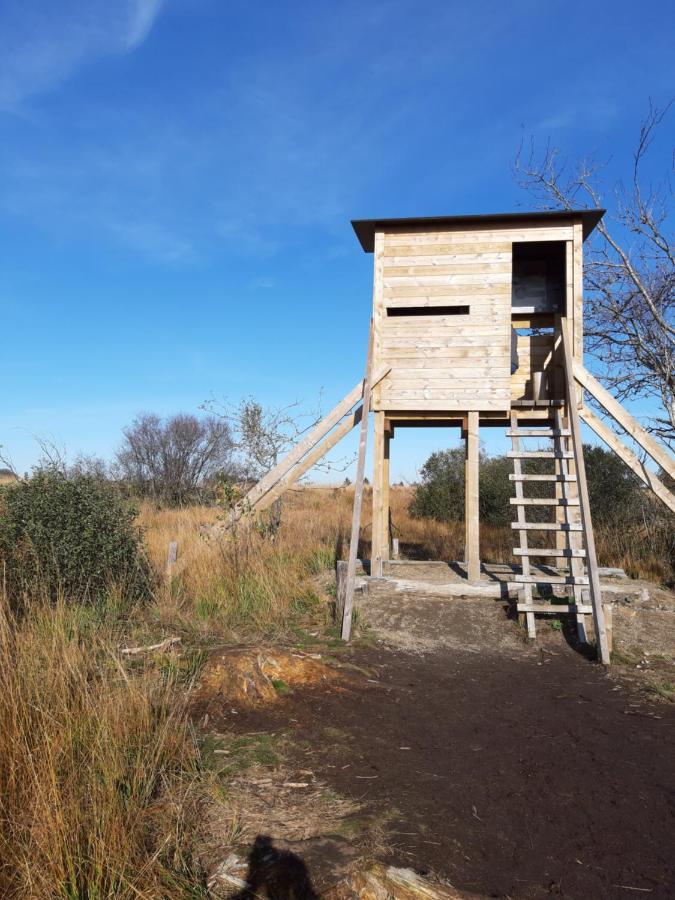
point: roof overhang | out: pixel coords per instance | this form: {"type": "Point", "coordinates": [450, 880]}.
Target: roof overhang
{"type": "Point", "coordinates": [365, 228]}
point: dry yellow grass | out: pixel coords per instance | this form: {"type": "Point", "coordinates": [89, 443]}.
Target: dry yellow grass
{"type": "Point", "coordinates": [99, 772]}
{"type": "Point", "coordinates": [316, 523]}
{"type": "Point", "coordinates": [95, 764]}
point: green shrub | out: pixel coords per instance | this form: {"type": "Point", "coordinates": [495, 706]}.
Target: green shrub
{"type": "Point", "coordinates": [440, 495]}
{"type": "Point", "coordinates": [70, 535]}
{"type": "Point", "coordinates": [615, 492]}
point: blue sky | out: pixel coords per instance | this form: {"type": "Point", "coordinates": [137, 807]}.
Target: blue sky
{"type": "Point", "coordinates": [177, 179]}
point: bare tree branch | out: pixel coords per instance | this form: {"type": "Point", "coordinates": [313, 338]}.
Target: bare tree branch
{"type": "Point", "coordinates": [629, 276]}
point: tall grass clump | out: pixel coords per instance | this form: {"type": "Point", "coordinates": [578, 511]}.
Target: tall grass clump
{"type": "Point", "coordinates": [96, 764]}
{"type": "Point", "coordinates": [246, 583]}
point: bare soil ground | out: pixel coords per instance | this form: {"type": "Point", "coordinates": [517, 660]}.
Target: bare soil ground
{"type": "Point", "coordinates": [504, 769]}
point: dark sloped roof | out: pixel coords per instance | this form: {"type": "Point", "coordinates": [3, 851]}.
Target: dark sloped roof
{"type": "Point", "coordinates": [365, 228]}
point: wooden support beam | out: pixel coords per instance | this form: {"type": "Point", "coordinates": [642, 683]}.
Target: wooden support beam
{"type": "Point", "coordinates": [615, 443]}
{"type": "Point", "coordinates": [578, 274]}
{"type": "Point", "coordinates": [471, 520]}
{"type": "Point", "coordinates": [350, 580]}
{"type": "Point", "coordinates": [295, 455]}
{"type": "Point", "coordinates": [377, 527]}
{"type": "Point", "coordinates": [658, 453]}
{"type": "Point", "coordinates": [386, 475]}
{"type": "Point", "coordinates": [310, 460]}
{"type": "Point", "coordinates": [609, 625]}
{"type": "Point", "coordinates": [582, 485]}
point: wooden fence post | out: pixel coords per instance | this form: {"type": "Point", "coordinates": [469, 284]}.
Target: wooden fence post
{"type": "Point", "coordinates": [171, 557]}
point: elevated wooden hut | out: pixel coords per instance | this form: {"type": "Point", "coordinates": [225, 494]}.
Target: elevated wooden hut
{"type": "Point", "coordinates": [477, 322]}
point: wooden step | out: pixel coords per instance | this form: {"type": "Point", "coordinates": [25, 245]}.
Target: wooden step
{"type": "Point", "coordinates": [540, 454]}
{"type": "Point", "coordinates": [554, 608]}
{"type": "Point", "coordinates": [547, 526]}
{"type": "Point", "coordinates": [558, 477]}
{"type": "Point", "coordinates": [550, 579]}
{"type": "Point", "coordinates": [549, 551]}
{"type": "Point", "coordinates": [543, 433]}
{"type": "Point", "coordinates": [544, 501]}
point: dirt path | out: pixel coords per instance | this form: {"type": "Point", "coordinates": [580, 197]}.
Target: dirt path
{"type": "Point", "coordinates": [510, 774]}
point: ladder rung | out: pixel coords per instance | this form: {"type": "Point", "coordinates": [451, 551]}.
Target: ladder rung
{"type": "Point", "coordinates": [540, 454]}
{"type": "Point", "coordinates": [544, 432]}
{"type": "Point", "coordinates": [551, 579]}
{"type": "Point", "coordinates": [554, 608]}
{"type": "Point", "coordinates": [548, 551]}
{"type": "Point", "coordinates": [547, 526]}
{"type": "Point", "coordinates": [544, 501]}
{"type": "Point", "coordinates": [561, 477]}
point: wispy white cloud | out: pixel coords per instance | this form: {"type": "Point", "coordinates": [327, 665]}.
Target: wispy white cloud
{"type": "Point", "coordinates": [142, 15]}
{"type": "Point", "coordinates": [43, 43]}
{"type": "Point", "coordinates": [595, 115]}
{"type": "Point", "coordinates": [282, 138]}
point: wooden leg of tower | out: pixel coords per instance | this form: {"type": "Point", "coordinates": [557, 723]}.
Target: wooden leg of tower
{"type": "Point", "coordinates": [385, 539]}
{"type": "Point", "coordinates": [471, 473]}
{"type": "Point", "coordinates": [377, 527]}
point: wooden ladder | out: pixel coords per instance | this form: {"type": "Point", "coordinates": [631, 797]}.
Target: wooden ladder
{"type": "Point", "coordinates": [573, 548]}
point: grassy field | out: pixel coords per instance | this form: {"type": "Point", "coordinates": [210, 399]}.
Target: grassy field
{"type": "Point", "coordinates": [103, 783]}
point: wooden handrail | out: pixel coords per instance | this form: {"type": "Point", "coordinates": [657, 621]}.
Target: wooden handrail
{"type": "Point", "coordinates": [274, 476]}
{"type": "Point", "coordinates": [617, 445]}
{"type": "Point", "coordinates": [310, 460]}
{"type": "Point", "coordinates": [658, 453]}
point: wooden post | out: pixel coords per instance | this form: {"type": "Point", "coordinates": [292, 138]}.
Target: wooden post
{"type": "Point", "coordinates": [471, 475]}
{"type": "Point", "coordinates": [386, 544]}
{"type": "Point", "coordinates": [609, 625]}
{"type": "Point", "coordinates": [377, 527]}
{"type": "Point", "coordinates": [577, 336]}
{"type": "Point", "coordinates": [171, 557]}
{"type": "Point", "coordinates": [358, 497]}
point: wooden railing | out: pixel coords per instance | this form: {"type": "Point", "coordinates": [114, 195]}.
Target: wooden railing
{"type": "Point", "coordinates": [632, 427]}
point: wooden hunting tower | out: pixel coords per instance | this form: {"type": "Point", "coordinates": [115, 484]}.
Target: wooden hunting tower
{"type": "Point", "coordinates": [468, 313]}
{"type": "Point", "coordinates": [477, 321]}
{"type": "Point", "coordinates": [450, 296]}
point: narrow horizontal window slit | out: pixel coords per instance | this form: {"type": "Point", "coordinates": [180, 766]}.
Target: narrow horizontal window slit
{"type": "Point", "coordinates": [428, 310]}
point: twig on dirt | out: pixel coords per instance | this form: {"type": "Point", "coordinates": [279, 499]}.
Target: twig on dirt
{"type": "Point", "coordinates": [628, 887]}
{"type": "Point", "coordinates": [296, 784]}
{"type": "Point", "coordinates": [162, 646]}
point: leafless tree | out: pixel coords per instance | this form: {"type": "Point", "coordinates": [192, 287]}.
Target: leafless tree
{"type": "Point", "coordinates": [172, 460]}
{"type": "Point", "coordinates": [262, 436]}
{"type": "Point", "coordinates": [54, 457]}
{"type": "Point", "coordinates": [629, 272]}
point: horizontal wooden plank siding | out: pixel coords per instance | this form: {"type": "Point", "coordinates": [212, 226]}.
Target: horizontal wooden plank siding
{"type": "Point", "coordinates": [450, 360]}
{"type": "Point", "coordinates": [459, 358]}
